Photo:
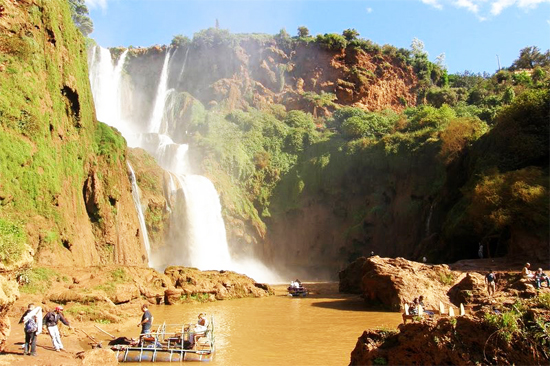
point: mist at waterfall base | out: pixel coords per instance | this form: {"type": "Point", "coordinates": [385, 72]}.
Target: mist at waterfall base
{"type": "Point", "coordinates": [197, 236]}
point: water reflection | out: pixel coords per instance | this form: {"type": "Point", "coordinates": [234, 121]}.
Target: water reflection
{"type": "Point", "coordinates": [320, 329]}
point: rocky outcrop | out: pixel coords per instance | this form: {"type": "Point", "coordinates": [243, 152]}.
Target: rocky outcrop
{"type": "Point", "coordinates": [466, 341]}
{"type": "Point", "coordinates": [152, 180]}
{"type": "Point", "coordinates": [390, 282]}
{"type": "Point", "coordinates": [504, 329]}
{"type": "Point", "coordinates": [193, 284]}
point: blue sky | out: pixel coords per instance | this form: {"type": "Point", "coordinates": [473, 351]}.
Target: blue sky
{"type": "Point", "coordinates": [471, 33]}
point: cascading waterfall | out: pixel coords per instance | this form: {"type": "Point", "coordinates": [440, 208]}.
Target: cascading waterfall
{"type": "Point", "coordinates": [141, 217]}
{"type": "Point", "coordinates": [160, 100]}
{"type": "Point", "coordinates": [197, 234]}
{"type": "Point", "coordinates": [105, 81]}
{"type": "Point", "coordinates": [184, 63]}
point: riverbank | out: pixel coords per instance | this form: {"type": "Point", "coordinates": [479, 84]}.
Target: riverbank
{"type": "Point", "coordinates": [111, 297]}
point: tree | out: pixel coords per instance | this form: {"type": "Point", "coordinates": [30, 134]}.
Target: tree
{"type": "Point", "coordinates": [529, 57]}
{"type": "Point", "coordinates": [350, 34]}
{"type": "Point", "coordinates": [303, 32]}
{"type": "Point", "coordinates": [81, 18]}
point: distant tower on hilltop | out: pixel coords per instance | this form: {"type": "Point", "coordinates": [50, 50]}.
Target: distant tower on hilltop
{"type": "Point", "coordinates": [217, 24]}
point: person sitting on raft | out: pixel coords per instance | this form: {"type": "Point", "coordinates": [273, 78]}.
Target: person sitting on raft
{"type": "Point", "coordinates": [198, 329]}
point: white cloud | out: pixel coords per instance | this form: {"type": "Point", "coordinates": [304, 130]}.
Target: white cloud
{"type": "Point", "coordinates": [96, 4]}
{"type": "Point", "coordinates": [369, 10]}
{"type": "Point", "coordinates": [499, 5]}
{"type": "Point", "coordinates": [435, 3]}
{"type": "Point", "coordinates": [468, 4]}
{"type": "Point", "coordinates": [483, 8]}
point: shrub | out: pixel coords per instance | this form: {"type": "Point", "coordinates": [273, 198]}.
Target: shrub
{"type": "Point", "coordinates": [12, 241]}
{"type": "Point", "coordinates": [371, 125]}
{"type": "Point", "coordinates": [519, 197]}
{"type": "Point", "coordinates": [458, 134]}
{"type": "Point", "coordinates": [332, 41]}
{"type": "Point", "coordinates": [109, 143]}
{"type": "Point", "coordinates": [428, 116]}
{"type": "Point", "coordinates": [180, 40]}
{"type": "Point", "coordinates": [39, 279]}
{"type": "Point", "coordinates": [299, 119]}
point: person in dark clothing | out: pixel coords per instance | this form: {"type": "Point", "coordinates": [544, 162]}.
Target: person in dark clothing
{"type": "Point", "coordinates": [146, 322]}
{"type": "Point", "coordinates": [51, 320]}
{"type": "Point", "coordinates": [30, 331]}
{"type": "Point", "coordinates": [490, 280]}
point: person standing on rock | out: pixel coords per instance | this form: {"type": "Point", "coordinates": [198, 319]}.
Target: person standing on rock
{"type": "Point", "coordinates": [51, 320]}
{"type": "Point", "coordinates": [146, 322]}
{"type": "Point", "coordinates": [490, 280]}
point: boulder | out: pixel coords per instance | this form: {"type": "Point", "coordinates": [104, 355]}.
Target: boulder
{"type": "Point", "coordinates": [390, 282]}
{"type": "Point", "coordinates": [172, 296]}
{"type": "Point", "coordinates": [99, 357]}
{"type": "Point", "coordinates": [125, 292]}
{"type": "Point", "coordinates": [471, 289]}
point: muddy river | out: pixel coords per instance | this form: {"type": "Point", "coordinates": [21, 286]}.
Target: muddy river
{"type": "Point", "coordinates": [320, 329]}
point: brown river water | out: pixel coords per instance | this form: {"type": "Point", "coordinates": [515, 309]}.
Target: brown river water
{"type": "Point", "coordinates": [320, 329]}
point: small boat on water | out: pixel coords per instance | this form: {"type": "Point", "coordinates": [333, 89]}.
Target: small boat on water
{"type": "Point", "coordinates": [296, 289]}
{"type": "Point", "coordinates": [170, 343]}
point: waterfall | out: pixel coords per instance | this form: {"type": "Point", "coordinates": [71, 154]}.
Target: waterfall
{"type": "Point", "coordinates": [197, 236]}
{"type": "Point", "coordinates": [183, 66]}
{"type": "Point", "coordinates": [105, 80]}
{"type": "Point", "coordinates": [160, 99]}
{"type": "Point", "coordinates": [141, 217]}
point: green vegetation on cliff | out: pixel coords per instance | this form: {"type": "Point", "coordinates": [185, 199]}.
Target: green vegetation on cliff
{"type": "Point", "coordinates": [473, 151]}
{"type": "Point", "coordinates": [49, 139]}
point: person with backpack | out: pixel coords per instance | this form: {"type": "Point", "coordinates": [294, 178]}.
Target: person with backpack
{"type": "Point", "coordinates": [33, 326]}
{"type": "Point", "coordinates": [51, 320]}
{"type": "Point", "coordinates": [490, 280]}
{"type": "Point", "coordinates": [30, 336]}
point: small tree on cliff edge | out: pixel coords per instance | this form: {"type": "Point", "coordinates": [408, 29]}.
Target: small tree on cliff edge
{"type": "Point", "coordinates": [303, 32]}
{"type": "Point", "coordinates": [350, 34]}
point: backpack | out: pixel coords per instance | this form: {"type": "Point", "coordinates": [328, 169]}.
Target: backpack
{"type": "Point", "coordinates": [30, 326]}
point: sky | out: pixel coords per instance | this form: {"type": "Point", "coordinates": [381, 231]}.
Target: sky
{"type": "Point", "coordinates": [473, 35]}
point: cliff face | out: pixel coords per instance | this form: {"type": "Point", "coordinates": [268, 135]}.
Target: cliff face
{"type": "Point", "coordinates": [260, 73]}
{"type": "Point", "coordinates": [64, 179]}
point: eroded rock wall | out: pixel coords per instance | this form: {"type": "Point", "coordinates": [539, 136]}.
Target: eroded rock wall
{"type": "Point", "coordinates": [75, 201]}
